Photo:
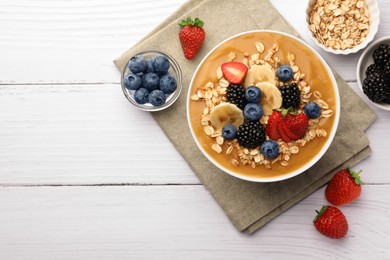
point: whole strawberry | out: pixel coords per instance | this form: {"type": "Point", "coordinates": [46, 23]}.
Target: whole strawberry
{"type": "Point", "coordinates": [344, 187]}
{"type": "Point", "coordinates": [331, 222]}
{"type": "Point", "coordinates": [191, 36]}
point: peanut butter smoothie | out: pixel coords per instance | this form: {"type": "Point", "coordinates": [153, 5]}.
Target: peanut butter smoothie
{"type": "Point", "coordinates": [262, 105]}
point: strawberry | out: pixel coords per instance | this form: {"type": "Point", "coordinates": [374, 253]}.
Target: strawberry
{"type": "Point", "coordinates": [296, 125]}
{"type": "Point", "coordinates": [191, 36]}
{"type": "Point", "coordinates": [282, 134]}
{"type": "Point", "coordinates": [331, 222]}
{"type": "Point", "coordinates": [234, 71]}
{"type": "Point", "coordinates": [272, 125]}
{"type": "Point", "coordinates": [344, 187]}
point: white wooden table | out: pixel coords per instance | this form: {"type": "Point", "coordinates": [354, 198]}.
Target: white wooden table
{"type": "Point", "coordinates": [84, 175]}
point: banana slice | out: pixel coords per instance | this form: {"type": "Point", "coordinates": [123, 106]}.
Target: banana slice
{"type": "Point", "coordinates": [224, 114]}
{"type": "Point", "coordinates": [271, 97]}
{"type": "Point", "coordinates": [259, 73]}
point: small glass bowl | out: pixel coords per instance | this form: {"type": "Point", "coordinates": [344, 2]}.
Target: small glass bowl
{"type": "Point", "coordinates": [175, 72]}
{"type": "Point", "coordinates": [373, 8]}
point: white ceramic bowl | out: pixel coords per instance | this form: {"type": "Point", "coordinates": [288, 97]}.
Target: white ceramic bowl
{"type": "Point", "coordinates": [175, 72]}
{"type": "Point", "coordinates": [366, 60]}
{"type": "Point", "coordinates": [374, 13]}
{"type": "Point", "coordinates": [287, 174]}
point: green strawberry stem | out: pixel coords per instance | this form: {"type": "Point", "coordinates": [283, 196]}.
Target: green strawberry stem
{"type": "Point", "coordinates": [190, 22]}
{"type": "Point", "coordinates": [355, 176]}
{"type": "Point", "coordinates": [319, 213]}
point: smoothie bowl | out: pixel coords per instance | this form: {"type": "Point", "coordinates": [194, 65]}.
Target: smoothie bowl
{"type": "Point", "coordinates": [263, 106]}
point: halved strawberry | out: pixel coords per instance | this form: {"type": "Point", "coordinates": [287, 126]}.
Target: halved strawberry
{"type": "Point", "coordinates": [282, 134]}
{"type": "Point", "coordinates": [287, 131]}
{"type": "Point", "coordinates": [297, 124]}
{"type": "Point", "coordinates": [272, 125]}
{"type": "Point", "coordinates": [234, 71]}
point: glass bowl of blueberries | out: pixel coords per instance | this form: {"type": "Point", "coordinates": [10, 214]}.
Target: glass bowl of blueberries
{"type": "Point", "coordinates": [152, 80]}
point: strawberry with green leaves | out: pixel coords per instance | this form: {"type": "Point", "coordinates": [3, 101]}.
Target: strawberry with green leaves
{"type": "Point", "coordinates": [344, 187]}
{"type": "Point", "coordinates": [191, 36]}
{"type": "Point", "coordinates": [331, 222]}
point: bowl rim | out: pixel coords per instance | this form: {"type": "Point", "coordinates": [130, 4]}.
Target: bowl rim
{"type": "Point", "coordinates": [374, 27]}
{"type": "Point", "coordinates": [174, 96]}
{"type": "Point", "coordinates": [363, 57]}
{"type": "Point", "coordinates": [305, 166]}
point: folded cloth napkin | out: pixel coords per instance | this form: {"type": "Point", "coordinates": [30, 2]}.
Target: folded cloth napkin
{"type": "Point", "coordinates": [249, 205]}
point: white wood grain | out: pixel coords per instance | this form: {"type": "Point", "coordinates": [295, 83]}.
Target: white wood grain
{"type": "Point", "coordinates": [175, 222]}
{"type": "Point", "coordinates": [76, 41]}
{"type": "Point", "coordinates": [90, 134]}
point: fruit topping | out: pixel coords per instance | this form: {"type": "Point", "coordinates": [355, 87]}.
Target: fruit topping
{"type": "Point", "coordinates": [331, 222]}
{"type": "Point", "coordinates": [229, 132]}
{"type": "Point", "coordinates": [253, 94]}
{"type": "Point", "coordinates": [225, 114]}
{"type": "Point", "coordinates": [251, 135]}
{"type": "Point", "coordinates": [381, 54]}
{"type": "Point", "coordinates": [344, 187]}
{"type": "Point", "coordinates": [137, 64]}
{"type": "Point", "coordinates": [141, 96]}
{"type": "Point", "coordinates": [191, 36]}
{"type": "Point", "coordinates": [312, 110]}
{"type": "Point", "coordinates": [132, 81]}
{"type": "Point", "coordinates": [270, 149]}
{"type": "Point", "coordinates": [259, 73]}
{"type": "Point", "coordinates": [376, 88]}
{"type": "Point", "coordinates": [253, 111]}
{"type": "Point", "coordinates": [272, 126]}
{"type": "Point", "coordinates": [297, 125]}
{"type": "Point", "coordinates": [234, 72]}
{"type": "Point", "coordinates": [291, 95]}
{"type": "Point", "coordinates": [168, 84]}
{"type": "Point", "coordinates": [157, 97]}
{"type": "Point", "coordinates": [285, 73]}
{"type": "Point", "coordinates": [271, 97]}
{"type": "Point", "coordinates": [236, 95]}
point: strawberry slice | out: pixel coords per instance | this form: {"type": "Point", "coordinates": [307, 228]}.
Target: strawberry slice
{"type": "Point", "coordinates": [287, 131]}
{"type": "Point", "coordinates": [297, 124]}
{"type": "Point", "coordinates": [282, 134]}
{"type": "Point", "coordinates": [272, 125]}
{"type": "Point", "coordinates": [234, 71]}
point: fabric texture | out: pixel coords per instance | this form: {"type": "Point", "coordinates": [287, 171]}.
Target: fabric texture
{"type": "Point", "coordinates": [248, 205]}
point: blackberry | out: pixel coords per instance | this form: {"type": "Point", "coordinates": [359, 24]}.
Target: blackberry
{"type": "Point", "coordinates": [376, 88]}
{"type": "Point", "coordinates": [372, 69]}
{"type": "Point", "coordinates": [236, 95]}
{"type": "Point", "coordinates": [251, 135]}
{"type": "Point", "coordinates": [386, 71]}
{"type": "Point", "coordinates": [291, 95]}
{"type": "Point", "coordinates": [381, 54]}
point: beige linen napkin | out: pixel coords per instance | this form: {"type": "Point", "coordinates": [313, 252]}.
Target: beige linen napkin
{"type": "Point", "coordinates": [249, 205]}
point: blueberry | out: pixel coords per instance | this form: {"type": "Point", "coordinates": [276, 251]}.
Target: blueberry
{"type": "Point", "coordinates": [253, 111]}
{"type": "Point", "coordinates": [285, 72]}
{"type": "Point", "coordinates": [150, 81]}
{"type": "Point", "coordinates": [168, 84]}
{"type": "Point", "coordinates": [270, 149]}
{"type": "Point", "coordinates": [229, 132]}
{"type": "Point", "coordinates": [161, 64]}
{"type": "Point", "coordinates": [141, 96]}
{"type": "Point", "coordinates": [312, 110]}
{"type": "Point", "coordinates": [132, 81]}
{"type": "Point", "coordinates": [149, 66]}
{"type": "Point", "coordinates": [137, 64]}
{"type": "Point", "coordinates": [253, 94]}
{"type": "Point", "coordinates": [157, 97]}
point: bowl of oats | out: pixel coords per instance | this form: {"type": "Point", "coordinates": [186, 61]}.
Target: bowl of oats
{"type": "Point", "coordinates": [342, 27]}
{"type": "Point", "coordinates": [263, 106]}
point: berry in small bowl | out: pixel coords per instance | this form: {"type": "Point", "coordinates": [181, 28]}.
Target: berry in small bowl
{"type": "Point", "coordinates": [152, 80]}
{"type": "Point", "coordinates": [373, 73]}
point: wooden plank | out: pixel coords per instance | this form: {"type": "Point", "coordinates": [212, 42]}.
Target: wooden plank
{"type": "Point", "coordinates": [90, 134]}
{"type": "Point", "coordinates": [175, 222]}
{"type": "Point", "coordinates": [76, 41]}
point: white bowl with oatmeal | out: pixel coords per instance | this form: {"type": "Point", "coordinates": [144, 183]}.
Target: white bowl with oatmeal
{"type": "Point", "coordinates": [208, 90]}
{"type": "Point", "coordinates": [342, 28]}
